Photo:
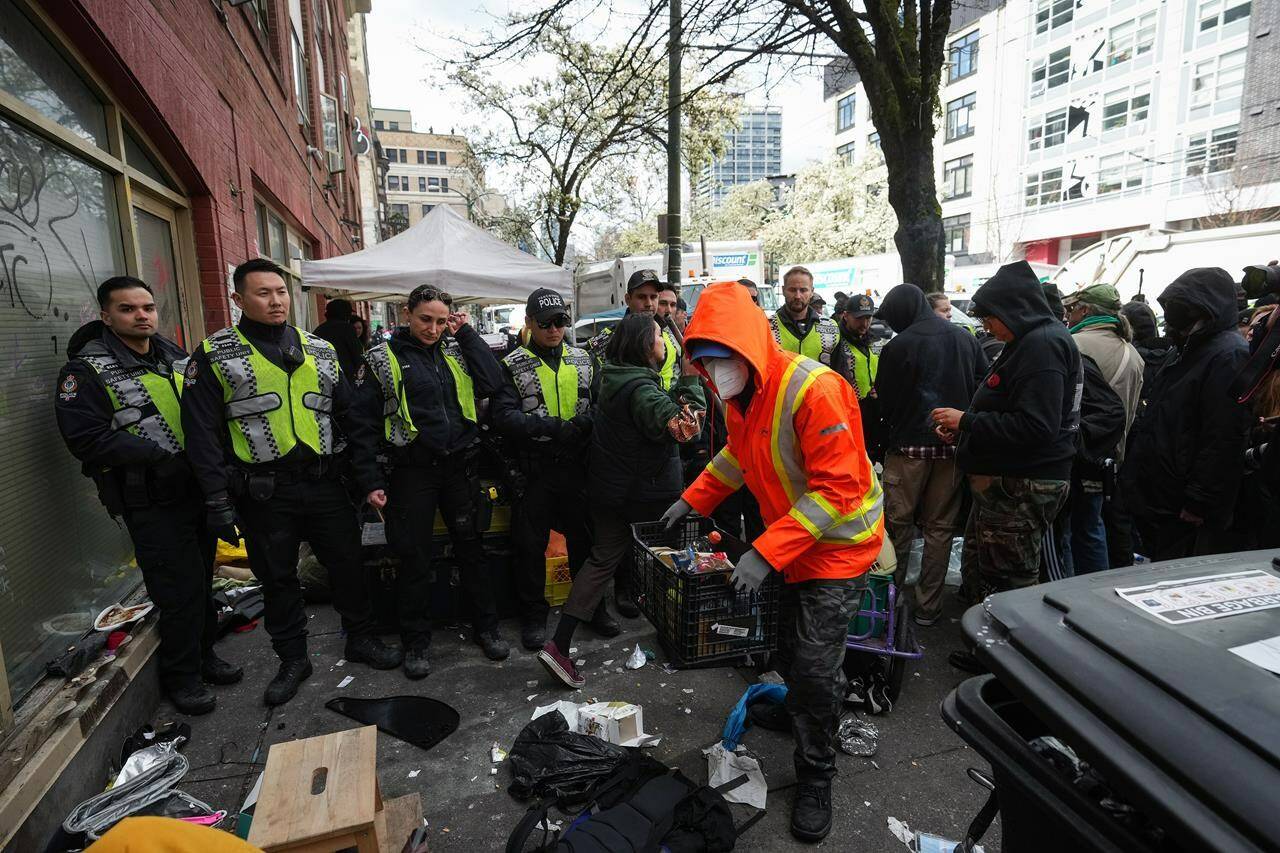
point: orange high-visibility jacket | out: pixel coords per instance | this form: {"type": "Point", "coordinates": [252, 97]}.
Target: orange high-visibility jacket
{"type": "Point", "coordinates": [798, 447]}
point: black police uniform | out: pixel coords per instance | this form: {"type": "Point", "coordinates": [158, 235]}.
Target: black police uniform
{"type": "Point", "coordinates": [300, 496]}
{"type": "Point", "coordinates": [438, 468]}
{"type": "Point", "coordinates": [149, 485]}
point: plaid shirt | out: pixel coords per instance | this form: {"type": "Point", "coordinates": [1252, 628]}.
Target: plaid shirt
{"type": "Point", "coordinates": [932, 451]}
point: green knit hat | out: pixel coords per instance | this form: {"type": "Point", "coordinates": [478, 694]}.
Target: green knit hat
{"type": "Point", "coordinates": [1104, 296]}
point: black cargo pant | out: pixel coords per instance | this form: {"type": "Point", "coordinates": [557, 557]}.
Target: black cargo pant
{"type": "Point", "coordinates": [277, 513]}
{"type": "Point", "coordinates": [452, 484]}
{"type": "Point", "coordinates": [554, 499]}
{"type": "Point", "coordinates": [175, 553]}
{"type": "Point", "coordinates": [812, 626]}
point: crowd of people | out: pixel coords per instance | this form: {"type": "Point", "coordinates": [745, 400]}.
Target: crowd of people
{"type": "Point", "coordinates": [1062, 438]}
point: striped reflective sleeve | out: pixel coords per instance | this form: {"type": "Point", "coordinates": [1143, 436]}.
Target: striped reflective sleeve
{"type": "Point", "coordinates": [724, 467]}
{"type": "Point", "coordinates": [824, 522]}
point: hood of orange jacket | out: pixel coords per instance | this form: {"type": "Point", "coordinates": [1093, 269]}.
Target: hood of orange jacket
{"type": "Point", "coordinates": [726, 315]}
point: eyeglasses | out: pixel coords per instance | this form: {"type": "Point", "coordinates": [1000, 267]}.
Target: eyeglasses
{"type": "Point", "coordinates": [559, 322]}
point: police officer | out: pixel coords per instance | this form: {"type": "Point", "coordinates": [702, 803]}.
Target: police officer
{"type": "Point", "coordinates": [798, 327]}
{"type": "Point", "coordinates": [117, 408]}
{"type": "Point", "coordinates": [418, 400]}
{"type": "Point", "coordinates": [264, 409]}
{"type": "Point", "coordinates": [645, 292]}
{"type": "Point", "coordinates": [544, 407]}
{"type": "Point", "coordinates": [861, 347]}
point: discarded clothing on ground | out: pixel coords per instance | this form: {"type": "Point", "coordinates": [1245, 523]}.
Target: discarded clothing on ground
{"type": "Point", "coordinates": [549, 760]}
{"type": "Point", "coordinates": [418, 720]}
{"type": "Point", "coordinates": [149, 776]}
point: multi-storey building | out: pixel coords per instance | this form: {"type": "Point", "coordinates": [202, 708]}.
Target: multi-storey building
{"type": "Point", "coordinates": [370, 163]}
{"type": "Point", "coordinates": [427, 169]}
{"type": "Point", "coordinates": [1117, 115]}
{"type": "Point", "coordinates": [753, 153]}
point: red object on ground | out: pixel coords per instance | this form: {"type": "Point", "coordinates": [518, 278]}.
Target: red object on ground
{"type": "Point", "coordinates": [248, 626]}
{"type": "Point", "coordinates": [115, 638]}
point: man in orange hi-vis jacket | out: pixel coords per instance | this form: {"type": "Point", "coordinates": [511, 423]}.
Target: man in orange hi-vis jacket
{"type": "Point", "coordinates": [795, 440]}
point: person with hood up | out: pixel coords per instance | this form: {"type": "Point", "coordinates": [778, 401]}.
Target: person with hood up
{"type": "Point", "coordinates": [1018, 437]}
{"type": "Point", "coordinates": [338, 330]}
{"type": "Point", "coordinates": [118, 410]}
{"type": "Point", "coordinates": [1147, 340]}
{"type": "Point", "coordinates": [929, 363]}
{"type": "Point", "coordinates": [794, 439]}
{"type": "Point", "coordinates": [1186, 447]}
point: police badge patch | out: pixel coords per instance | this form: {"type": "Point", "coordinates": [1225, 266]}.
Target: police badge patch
{"type": "Point", "coordinates": [70, 388]}
{"type": "Point", "coordinates": [192, 370]}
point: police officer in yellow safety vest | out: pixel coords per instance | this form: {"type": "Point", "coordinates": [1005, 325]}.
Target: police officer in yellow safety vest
{"type": "Point", "coordinates": [543, 407]}
{"type": "Point", "coordinates": [798, 327]}
{"type": "Point", "coordinates": [862, 350]}
{"type": "Point", "coordinates": [265, 411]}
{"type": "Point", "coordinates": [643, 288]}
{"type": "Point", "coordinates": [417, 402]}
{"type": "Point", "coordinates": [116, 404]}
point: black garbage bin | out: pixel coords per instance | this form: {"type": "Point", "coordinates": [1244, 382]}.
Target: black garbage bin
{"type": "Point", "coordinates": [1179, 727]}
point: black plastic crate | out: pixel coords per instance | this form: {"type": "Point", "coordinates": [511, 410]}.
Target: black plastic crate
{"type": "Point", "coordinates": [701, 619]}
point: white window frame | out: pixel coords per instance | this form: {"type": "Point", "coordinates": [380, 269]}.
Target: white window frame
{"type": "Point", "coordinates": [1051, 14]}
{"type": "Point", "coordinates": [1049, 131]}
{"type": "Point", "coordinates": [1212, 151]}
{"type": "Point", "coordinates": [1213, 80]}
{"type": "Point", "coordinates": [1131, 39]}
{"type": "Point", "coordinates": [1047, 69]}
{"type": "Point", "coordinates": [1120, 172]}
{"type": "Point", "coordinates": [1037, 191]}
{"type": "Point", "coordinates": [1134, 105]}
{"type": "Point", "coordinates": [1212, 14]}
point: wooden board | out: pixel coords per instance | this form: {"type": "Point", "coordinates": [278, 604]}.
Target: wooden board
{"type": "Point", "coordinates": [289, 815]}
{"type": "Point", "coordinates": [397, 820]}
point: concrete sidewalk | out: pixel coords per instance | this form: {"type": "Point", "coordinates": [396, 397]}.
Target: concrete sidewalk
{"type": "Point", "coordinates": [917, 776]}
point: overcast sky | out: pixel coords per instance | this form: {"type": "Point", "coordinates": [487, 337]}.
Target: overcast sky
{"type": "Point", "coordinates": [405, 76]}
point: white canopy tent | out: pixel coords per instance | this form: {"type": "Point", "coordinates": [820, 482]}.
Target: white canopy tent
{"type": "Point", "coordinates": [443, 250]}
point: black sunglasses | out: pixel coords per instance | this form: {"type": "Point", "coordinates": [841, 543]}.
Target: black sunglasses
{"type": "Point", "coordinates": [559, 322]}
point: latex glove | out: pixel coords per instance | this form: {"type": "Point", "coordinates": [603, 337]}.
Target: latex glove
{"type": "Point", "coordinates": [751, 571]}
{"type": "Point", "coordinates": [676, 513]}
{"type": "Point", "coordinates": [220, 517]}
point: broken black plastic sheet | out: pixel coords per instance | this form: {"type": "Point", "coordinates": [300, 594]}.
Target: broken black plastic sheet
{"type": "Point", "coordinates": [418, 720]}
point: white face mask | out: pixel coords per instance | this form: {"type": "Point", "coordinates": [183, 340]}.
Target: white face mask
{"type": "Point", "coordinates": [729, 375]}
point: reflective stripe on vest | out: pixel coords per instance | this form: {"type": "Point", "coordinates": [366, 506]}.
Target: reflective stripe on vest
{"type": "Point", "coordinates": [461, 378]}
{"type": "Point", "coordinates": [809, 508]}
{"type": "Point", "coordinates": [818, 344]}
{"type": "Point", "coordinates": [864, 367]}
{"type": "Point", "coordinates": [560, 393]}
{"type": "Point", "coordinates": [668, 373]}
{"type": "Point", "coordinates": [269, 411]}
{"type": "Point", "coordinates": [725, 468]}
{"type": "Point", "coordinates": [398, 427]}
{"type": "Point", "coordinates": [143, 402]}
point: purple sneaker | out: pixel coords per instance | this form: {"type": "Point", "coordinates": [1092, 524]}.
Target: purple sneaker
{"type": "Point", "coordinates": [560, 666]}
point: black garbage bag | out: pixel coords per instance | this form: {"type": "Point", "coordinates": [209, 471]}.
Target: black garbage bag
{"type": "Point", "coordinates": [548, 760]}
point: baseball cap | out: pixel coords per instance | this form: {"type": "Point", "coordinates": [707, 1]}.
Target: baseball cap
{"type": "Point", "coordinates": [640, 278]}
{"type": "Point", "coordinates": [708, 349]}
{"type": "Point", "coordinates": [860, 305]}
{"type": "Point", "coordinates": [545, 304]}
{"type": "Point", "coordinates": [1104, 296]}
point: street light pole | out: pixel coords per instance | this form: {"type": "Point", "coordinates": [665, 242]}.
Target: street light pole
{"type": "Point", "coordinates": [674, 252]}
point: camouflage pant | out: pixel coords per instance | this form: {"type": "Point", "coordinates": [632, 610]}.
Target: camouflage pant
{"type": "Point", "coordinates": [1006, 529]}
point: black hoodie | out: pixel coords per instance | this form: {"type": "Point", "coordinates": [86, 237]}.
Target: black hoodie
{"type": "Point", "coordinates": [1025, 415]}
{"type": "Point", "coordinates": [1186, 447]}
{"type": "Point", "coordinates": [929, 364]}
{"type": "Point", "coordinates": [1147, 341]}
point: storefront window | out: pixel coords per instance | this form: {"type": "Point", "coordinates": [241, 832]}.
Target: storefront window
{"type": "Point", "coordinates": [160, 270]}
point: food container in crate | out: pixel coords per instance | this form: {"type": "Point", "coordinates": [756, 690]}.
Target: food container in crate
{"type": "Point", "coordinates": [700, 618]}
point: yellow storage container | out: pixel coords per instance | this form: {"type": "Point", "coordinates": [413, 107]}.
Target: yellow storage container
{"type": "Point", "coordinates": [558, 580]}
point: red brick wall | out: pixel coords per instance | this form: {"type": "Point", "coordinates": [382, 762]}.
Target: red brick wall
{"type": "Point", "coordinates": [217, 100]}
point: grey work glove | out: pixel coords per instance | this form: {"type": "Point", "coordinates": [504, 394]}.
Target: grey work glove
{"type": "Point", "coordinates": [751, 571]}
{"type": "Point", "coordinates": [676, 513]}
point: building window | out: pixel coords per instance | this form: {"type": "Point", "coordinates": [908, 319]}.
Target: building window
{"type": "Point", "coordinates": [401, 209]}
{"type": "Point", "coordinates": [427, 208]}
{"type": "Point", "coordinates": [298, 56]}
{"type": "Point", "coordinates": [957, 177]}
{"type": "Point", "coordinates": [1212, 152]}
{"type": "Point", "coordinates": [433, 185]}
{"type": "Point", "coordinates": [1120, 172]}
{"type": "Point", "coordinates": [960, 117]}
{"type": "Point", "coordinates": [956, 229]}
{"type": "Point", "coordinates": [1130, 39]}
{"type": "Point", "coordinates": [1051, 130]}
{"type": "Point", "coordinates": [395, 125]}
{"type": "Point", "coordinates": [432, 159]}
{"type": "Point", "coordinates": [1050, 72]}
{"type": "Point", "coordinates": [1051, 14]}
{"type": "Point", "coordinates": [422, 185]}
{"type": "Point", "coordinates": [1215, 13]}
{"type": "Point", "coordinates": [1216, 80]}
{"type": "Point", "coordinates": [377, 124]}
{"type": "Point", "coordinates": [1121, 108]}
{"type": "Point", "coordinates": [1044, 188]}
{"type": "Point", "coordinates": [444, 158]}
{"type": "Point", "coordinates": [845, 112]}
{"type": "Point", "coordinates": [393, 182]}
{"type": "Point", "coordinates": [258, 14]}
{"type": "Point", "coordinates": [422, 156]}
{"type": "Point", "coordinates": [845, 152]}
{"type": "Point", "coordinates": [873, 140]}
{"type": "Point", "coordinates": [962, 57]}
{"type": "Point", "coordinates": [444, 185]}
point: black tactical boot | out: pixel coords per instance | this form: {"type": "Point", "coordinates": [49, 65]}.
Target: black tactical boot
{"type": "Point", "coordinates": [811, 812]}
{"type": "Point", "coordinates": [533, 632]}
{"type": "Point", "coordinates": [603, 623]}
{"type": "Point", "coordinates": [495, 648]}
{"type": "Point", "coordinates": [416, 664]}
{"type": "Point", "coordinates": [193, 700]}
{"type": "Point", "coordinates": [366, 648]}
{"type": "Point", "coordinates": [288, 679]}
{"type": "Point", "coordinates": [214, 670]}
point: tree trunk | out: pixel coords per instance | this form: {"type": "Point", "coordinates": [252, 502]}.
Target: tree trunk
{"type": "Point", "coordinates": [914, 198]}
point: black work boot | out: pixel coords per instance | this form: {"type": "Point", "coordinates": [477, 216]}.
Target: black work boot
{"type": "Point", "coordinates": [416, 664]}
{"type": "Point", "coordinates": [811, 812]}
{"type": "Point", "coordinates": [533, 632]}
{"type": "Point", "coordinates": [603, 623]}
{"type": "Point", "coordinates": [293, 671]}
{"type": "Point", "coordinates": [625, 604]}
{"type": "Point", "coordinates": [495, 648]}
{"type": "Point", "coordinates": [215, 670]}
{"type": "Point", "coordinates": [366, 648]}
{"type": "Point", "coordinates": [193, 700]}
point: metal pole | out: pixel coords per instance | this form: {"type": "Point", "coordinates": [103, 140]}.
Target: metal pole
{"type": "Point", "coordinates": [674, 253]}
